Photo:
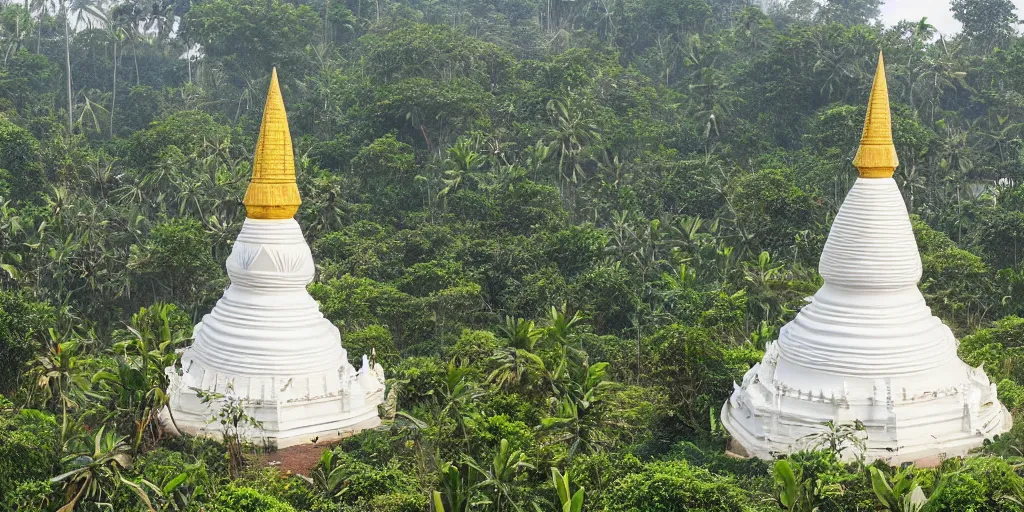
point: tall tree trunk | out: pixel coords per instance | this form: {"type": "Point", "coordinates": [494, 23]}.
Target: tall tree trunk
{"type": "Point", "coordinates": [188, 53]}
{"type": "Point", "coordinates": [67, 62]}
{"type": "Point", "coordinates": [327, 12]}
{"type": "Point", "coordinates": [113, 89]}
{"type": "Point", "coordinates": [135, 57]}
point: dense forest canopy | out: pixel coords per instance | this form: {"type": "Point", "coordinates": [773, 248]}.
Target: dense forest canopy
{"type": "Point", "coordinates": [565, 227]}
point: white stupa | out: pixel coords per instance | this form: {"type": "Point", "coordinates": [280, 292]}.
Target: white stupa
{"type": "Point", "coordinates": [867, 348]}
{"type": "Point", "coordinates": [266, 342]}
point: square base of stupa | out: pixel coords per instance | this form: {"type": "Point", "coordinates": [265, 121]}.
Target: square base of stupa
{"type": "Point", "coordinates": [925, 441]}
{"type": "Point", "coordinates": [283, 424]}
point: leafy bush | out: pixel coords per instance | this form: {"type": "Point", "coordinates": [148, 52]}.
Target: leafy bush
{"type": "Point", "coordinates": [235, 498]}
{"type": "Point", "coordinates": [675, 486]}
{"type": "Point", "coordinates": [598, 472]}
{"type": "Point", "coordinates": [696, 371]}
{"type": "Point", "coordinates": [29, 447]}
{"type": "Point", "coordinates": [289, 488]}
{"type": "Point", "coordinates": [369, 339]}
{"type": "Point", "coordinates": [27, 495]}
{"type": "Point", "coordinates": [210, 452]}
{"type": "Point", "coordinates": [840, 486]}
{"type": "Point", "coordinates": [23, 325]}
{"type": "Point", "coordinates": [492, 429]}
{"type": "Point", "coordinates": [181, 478]}
{"type": "Point", "coordinates": [475, 348]}
{"type": "Point", "coordinates": [419, 377]}
{"type": "Point", "coordinates": [374, 446]}
{"type": "Point", "coordinates": [350, 481]}
{"type": "Point", "coordinates": [1000, 348]}
{"type": "Point", "coordinates": [975, 485]}
{"type": "Point", "coordinates": [20, 157]}
{"type": "Point", "coordinates": [398, 502]}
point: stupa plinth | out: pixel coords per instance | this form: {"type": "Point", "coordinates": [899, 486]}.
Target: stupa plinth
{"type": "Point", "coordinates": [867, 348]}
{"type": "Point", "coordinates": [266, 343]}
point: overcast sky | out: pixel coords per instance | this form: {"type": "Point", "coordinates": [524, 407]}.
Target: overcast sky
{"type": "Point", "coordinates": [937, 12]}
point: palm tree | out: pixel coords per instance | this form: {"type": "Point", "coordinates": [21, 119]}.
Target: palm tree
{"type": "Point", "coordinates": [90, 112]}
{"type": "Point", "coordinates": [43, 8]}
{"type": "Point", "coordinates": [117, 33]}
{"type": "Point", "coordinates": [131, 18]}
{"type": "Point", "coordinates": [462, 160]}
{"type": "Point", "coordinates": [571, 133]}
{"type": "Point", "coordinates": [22, 27]}
{"type": "Point", "coordinates": [939, 70]}
{"type": "Point", "coordinates": [517, 362]}
{"type": "Point", "coordinates": [838, 66]}
{"type": "Point", "coordinates": [67, 63]}
{"type": "Point", "coordinates": [910, 181]}
{"type": "Point", "coordinates": [921, 33]}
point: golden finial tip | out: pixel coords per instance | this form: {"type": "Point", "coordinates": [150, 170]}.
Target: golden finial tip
{"type": "Point", "coordinates": [272, 192]}
{"type": "Point", "coordinates": [876, 157]}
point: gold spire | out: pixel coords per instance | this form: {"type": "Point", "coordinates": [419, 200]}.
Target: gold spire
{"type": "Point", "coordinates": [272, 192]}
{"type": "Point", "coordinates": [876, 157]}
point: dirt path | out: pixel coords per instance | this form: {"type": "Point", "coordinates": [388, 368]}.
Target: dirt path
{"type": "Point", "coordinates": [300, 459]}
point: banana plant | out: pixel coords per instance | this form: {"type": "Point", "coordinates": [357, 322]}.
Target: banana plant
{"type": "Point", "coordinates": [96, 472]}
{"type": "Point", "coordinates": [799, 494]}
{"type": "Point", "coordinates": [903, 493]}
{"type": "Point", "coordinates": [569, 502]}
{"type": "Point", "coordinates": [328, 476]}
{"type": "Point", "coordinates": [137, 387]}
{"type": "Point", "coordinates": [459, 486]}
{"type": "Point", "coordinates": [500, 477]}
{"type": "Point", "coordinates": [518, 364]}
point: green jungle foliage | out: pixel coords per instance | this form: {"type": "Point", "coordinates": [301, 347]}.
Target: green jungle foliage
{"type": "Point", "coordinates": [565, 227]}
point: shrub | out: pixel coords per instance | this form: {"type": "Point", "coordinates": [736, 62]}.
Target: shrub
{"type": "Point", "coordinates": [21, 159]}
{"type": "Point", "coordinates": [419, 377]}
{"type": "Point", "coordinates": [675, 486]}
{"type": "Point", "coordinates": [398, 502]}
{"type": "Point", "coordinates": [999, 348]}
{"type": "Point", "coordinates": [289, 488]}
{"type": "Point", "coordinates": [513, 405]}
{"type": "Point", "coordinates": [28, 447]}
{"type": "Point", "coordinates": [373, 338]}
{"type": "Point", "coordinates": [27, 495]}
{"type": "Point", "coordinates": [362, 482]}
{"type": "Point", "coordinates": [696, 370]}
{"type": "Point", "coordinates": [492, 429]}
{"type": "Point", "coordinates": [245, 499]}
{"type": "Point", "coordinates": [716, 461]}
{"type": "Point", "coordinates": [210, 452]}
{"type": "Point", "coordinates": [598, 472]}
{"type": "Point", "coordinates": [23, 324]}
{"type": "Point", "coordinates": [845, 486]}
{"type": "Point", "coordinates": [975, 485]}
{"type": "Point", "coordinates": [183, 478]}
{"type": "Point", "coordinates": [475, 348]}
{"type": "Point", "coordinates": [373, 446]}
